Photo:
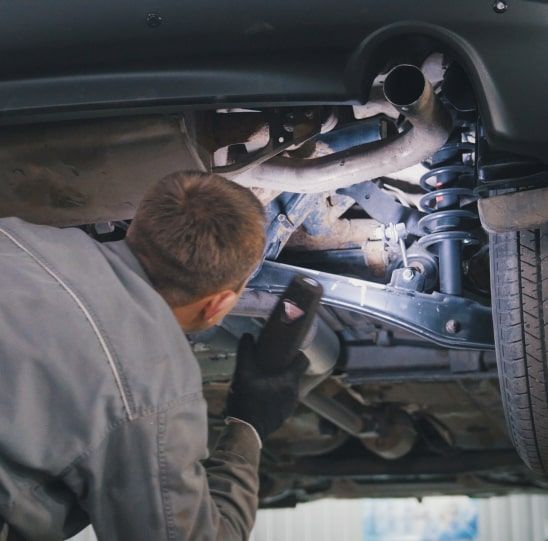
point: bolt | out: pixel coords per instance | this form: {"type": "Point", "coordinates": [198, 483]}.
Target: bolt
{"type": "Point", "coordinates": [452, 326]}
{"type": "Point", "coordinates": [500, 6]}
{"type": "Point", "coordinates": [285, 221]}
{"type": "Point", "coordinates": [408, 274]}
{"type": "Point", "coordinates": [154, 20]}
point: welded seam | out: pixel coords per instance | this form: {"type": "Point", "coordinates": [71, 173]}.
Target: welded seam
{"type": "Point", "coordinates": [88, 316]}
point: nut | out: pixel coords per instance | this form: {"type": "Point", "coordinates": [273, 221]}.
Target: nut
{"type": "Point", "coordinates": [452, 326]}
{"type": "Point", "coordinates": [408, 274]}
{"type": "Point", "coordinates": [500, 6]}
{"type": "Point", "coordinates": [154, 20]}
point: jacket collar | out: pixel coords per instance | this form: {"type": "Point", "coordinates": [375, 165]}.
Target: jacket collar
{"type": "Point", "coordinates": [123, 251]}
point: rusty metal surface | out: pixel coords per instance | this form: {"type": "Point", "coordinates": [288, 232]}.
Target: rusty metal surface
{"type": "Point", "coordinates": [87, 172]}
{"type": "Point", "coordinates": [342, 234]}
{"type": "Point", "coordinates": [468, 410]}
{"type": "Point", "coordinates": [218, 130]}
{"type": "Point", "coordinates": [431, 123]}
{"type": "Point", "coordinates": [514, 211]}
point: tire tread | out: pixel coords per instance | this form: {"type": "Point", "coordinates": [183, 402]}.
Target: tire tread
{"type": "Point", "coordinates": [519, 283]}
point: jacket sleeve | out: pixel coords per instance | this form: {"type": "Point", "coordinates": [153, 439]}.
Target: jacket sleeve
{"type": "Point", "coordinates": [147, 481]}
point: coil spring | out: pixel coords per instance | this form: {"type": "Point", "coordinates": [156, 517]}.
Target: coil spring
{"type": "Point", "coordinates": [445, 219]}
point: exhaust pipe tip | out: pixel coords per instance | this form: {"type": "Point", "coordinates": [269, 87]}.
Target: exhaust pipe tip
{"type": "Point", "coordinates": [404, 85]}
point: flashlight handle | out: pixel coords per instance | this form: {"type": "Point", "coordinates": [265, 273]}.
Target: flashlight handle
{"type": "Point", "coordinates": [286, 328]}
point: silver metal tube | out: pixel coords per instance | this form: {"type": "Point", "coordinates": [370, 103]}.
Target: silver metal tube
{"type": "Point", "coordinates": [407, 89]}
{"type": "Point", "coordinates": [335, 412]}
{"type": "Point", "coordinates": [321, 347]}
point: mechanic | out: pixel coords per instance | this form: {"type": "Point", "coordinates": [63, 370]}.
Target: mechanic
{"type": "Point", "coordinates": [104, 421]}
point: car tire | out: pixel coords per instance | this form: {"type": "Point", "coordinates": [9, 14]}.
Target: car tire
{"type": "Point", "coordinates": [519, 286]}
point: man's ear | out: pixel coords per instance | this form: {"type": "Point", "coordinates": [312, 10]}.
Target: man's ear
{"type": "Point", "coordinates": [218, 305]}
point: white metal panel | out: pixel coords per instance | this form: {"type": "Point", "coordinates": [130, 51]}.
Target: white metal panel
{"type": "Point", "coordinates": [86, 535]}
{"type": "Point", "coordinates": [514, 518]}
{"type": "Point", "coordinates": [511, 518]}
{"type": "Point", "coordinates": [325, 520]}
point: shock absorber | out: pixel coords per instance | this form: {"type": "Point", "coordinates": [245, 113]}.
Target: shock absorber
{"type": "Point", "coordinates": [445, 220]}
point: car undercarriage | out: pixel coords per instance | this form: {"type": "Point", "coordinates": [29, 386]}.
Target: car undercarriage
{"type": "Point", "coordinates": [392, 169]}
{"type": "Point", "coordinates": [412, 402]}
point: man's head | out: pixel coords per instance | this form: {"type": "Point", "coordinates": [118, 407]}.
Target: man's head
{"type": "Point", "coordinates": [198, 237]}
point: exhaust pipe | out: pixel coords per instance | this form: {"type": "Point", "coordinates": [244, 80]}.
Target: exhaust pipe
{"type": "Point", "coordinates": [322, 348]}
{"type": "Point", "coordinates": [406, 89]}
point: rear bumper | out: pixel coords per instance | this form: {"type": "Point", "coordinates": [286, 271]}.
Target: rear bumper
{"type": "Point", "coordinates": [77, 59]}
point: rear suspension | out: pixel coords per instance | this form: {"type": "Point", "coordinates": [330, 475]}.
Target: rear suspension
{"type": "Point", "coordinates": [449, 188]}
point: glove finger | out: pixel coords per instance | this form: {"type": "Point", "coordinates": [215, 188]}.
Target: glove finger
{"type": "Point", "coordinates": [245, 353]}
{"type": "Point", "coordinates": [298, 365]}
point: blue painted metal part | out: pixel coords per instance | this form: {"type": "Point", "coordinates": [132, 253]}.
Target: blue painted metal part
{"type": "Point", "coordinates": [353, 135]}
{"type": "Point", "coordinates": [426, 315]}
{"type": "Point", "coordinates": [283, 220]}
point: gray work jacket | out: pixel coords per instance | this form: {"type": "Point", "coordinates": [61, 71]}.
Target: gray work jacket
{"type": "Point", "coordinates": [101, 407]}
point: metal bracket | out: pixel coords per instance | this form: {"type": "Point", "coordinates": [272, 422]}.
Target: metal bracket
{"type": "Point", "coordinates": [407, 278]}
{"type": "Point", "coordinates": [381, 207]}
{"type": "Point", "coordinates": [450, 321]}
{"type": "Point", "coordinates": [284, 224]}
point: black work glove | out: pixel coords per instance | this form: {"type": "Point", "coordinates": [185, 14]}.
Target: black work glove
{"type": "Point", "coordinates": [262, 399]}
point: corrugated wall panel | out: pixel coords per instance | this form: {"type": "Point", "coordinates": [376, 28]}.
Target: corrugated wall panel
{"type": "Point", "coordinates": [512, 518]}
{"type": "Point", "coordinates": [325, 520]}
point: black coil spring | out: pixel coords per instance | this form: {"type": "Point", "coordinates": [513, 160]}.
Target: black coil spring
{"type": "Point", "coordinates": [445, 220]}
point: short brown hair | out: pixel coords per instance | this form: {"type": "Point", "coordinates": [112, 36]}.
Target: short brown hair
{"type": "Point", "coordinates": [196, 234]}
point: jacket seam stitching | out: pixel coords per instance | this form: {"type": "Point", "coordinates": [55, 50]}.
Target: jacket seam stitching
{"type": "Point", "coordinates": [80, 304]}
{"type": "Point", "coordinates": [185, 399]}
{"type": "Point", "coordinates": [162, 464]}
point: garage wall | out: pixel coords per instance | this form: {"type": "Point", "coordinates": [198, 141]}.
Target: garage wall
{"type": "Point", "coordinates": [513, 518]}
{"type": "Point", "coordinates": [325, 520]}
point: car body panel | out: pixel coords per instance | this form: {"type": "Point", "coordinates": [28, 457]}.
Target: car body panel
{"type": "Point", "coordinates": [78, 58]}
